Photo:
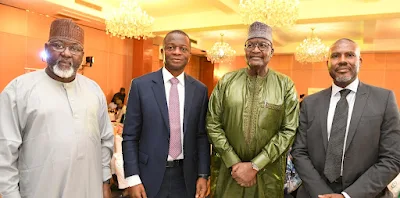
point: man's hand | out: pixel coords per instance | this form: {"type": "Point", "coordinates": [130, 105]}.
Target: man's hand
{"type": "Point", "coordinates": [106, 191]}
{"type": "Point", "coordinates": [137, 191]}
{"type": "Point", "coordinates": [244, 174]}
{"type": "Point", "coordinates": [248, 184]}
{"type": "Point", "coordinates": [201, 188]}
{"type": "Point", "coordinates": [331, 196]}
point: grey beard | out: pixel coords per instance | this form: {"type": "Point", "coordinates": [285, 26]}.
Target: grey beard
{"type": "Point", "coordinates": [343, 79]}
{"type": "Point", "coordinates": [63, 73]}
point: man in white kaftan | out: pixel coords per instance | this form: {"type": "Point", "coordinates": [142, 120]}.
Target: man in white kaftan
{"type": "Point", "coordinates": [56, 138]}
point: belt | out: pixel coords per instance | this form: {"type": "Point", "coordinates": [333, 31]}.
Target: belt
{"type": "Point", "coordinates": [174, 163]}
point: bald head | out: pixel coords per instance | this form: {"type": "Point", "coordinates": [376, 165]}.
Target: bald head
{"type": "Point", "coordinates": [345, 40]}
{"type": "Point", "coordinates": [344, 62]}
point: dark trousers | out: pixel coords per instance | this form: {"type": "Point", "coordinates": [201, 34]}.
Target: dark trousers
{"type": "Point", "coordinates": [173, 185]}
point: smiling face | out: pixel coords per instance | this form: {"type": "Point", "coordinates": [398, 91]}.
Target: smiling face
{"type": "Point", "coordinates": [176, 52]}
{"type": "Point", "coordinates": [344, 62]}
{"type": "Point", "coordinates": [258, 52]}
{"type": "Point", "coordinates": [64, 57]}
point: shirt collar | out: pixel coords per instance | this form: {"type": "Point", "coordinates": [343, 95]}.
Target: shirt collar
{"type": "Point", "coordinates": [168, 76]}
{"type": "Point", "coordinates": [352, 86]}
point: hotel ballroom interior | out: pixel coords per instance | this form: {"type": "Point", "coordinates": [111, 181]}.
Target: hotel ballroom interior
{"type": "Point", "coordinates": [373, 24]}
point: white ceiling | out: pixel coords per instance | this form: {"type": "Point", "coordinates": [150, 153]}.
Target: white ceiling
{"type": "Point", "coordinates": [374, 24]}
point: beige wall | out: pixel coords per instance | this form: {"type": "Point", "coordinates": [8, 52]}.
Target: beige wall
{"type": "Point", "coordinates": [22, 38]}
{"type": "Point", "coordinates": [379, 69]}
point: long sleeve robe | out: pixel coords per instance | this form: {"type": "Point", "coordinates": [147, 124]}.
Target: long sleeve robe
{"type": "Point", "coordinates": [56, 139]}
{"type": "Point", "coordinates": [252, 119]}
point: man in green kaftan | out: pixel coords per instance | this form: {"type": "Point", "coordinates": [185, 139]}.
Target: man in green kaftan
{"type": "Point", "coordinates": [251, 121]}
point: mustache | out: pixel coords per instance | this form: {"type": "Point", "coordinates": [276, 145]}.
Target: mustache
{"type": "Point", "coordinates": [65, 61]}
{"type": "Point", "coordinates": [343, 67]}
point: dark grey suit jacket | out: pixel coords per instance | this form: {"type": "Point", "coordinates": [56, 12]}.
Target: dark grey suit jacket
{"type": "Point", "coordinates": [372, 155]}
{"type": "Point", "coordinates": [146, 132]}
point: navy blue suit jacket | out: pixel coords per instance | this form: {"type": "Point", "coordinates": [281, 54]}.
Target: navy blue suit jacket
{"type": "Point", "coordinates": [146, 132]}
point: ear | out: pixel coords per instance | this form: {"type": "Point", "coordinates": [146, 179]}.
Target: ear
{"type": "Point", "coordinates": [272, 52]}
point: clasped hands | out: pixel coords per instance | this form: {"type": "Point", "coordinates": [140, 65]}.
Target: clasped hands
{"type": "Point", "coordinates": [244, 174]}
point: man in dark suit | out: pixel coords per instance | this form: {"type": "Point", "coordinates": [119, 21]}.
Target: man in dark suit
{"type": "Point", "coordinates": [165, 148]}
{"type": "Point", "coordinates": [347, 144]}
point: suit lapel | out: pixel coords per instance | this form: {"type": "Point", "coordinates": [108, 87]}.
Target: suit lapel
{"type": "Point", "coordinates": [359, 104]}
{"type": "Point", "coordinates": [189, 92]}
{"type": "Point", "coordinates": [159, 93]}
{"type": "Point", "coordinates": [324, 108]}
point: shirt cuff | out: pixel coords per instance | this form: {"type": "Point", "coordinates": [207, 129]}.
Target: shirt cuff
{"type": "Point", "coordinates": [133, 180]}
{"type": "Point", "coordinates": [345, 195]}
{"type": "Point", "coordinates": [106, 173]}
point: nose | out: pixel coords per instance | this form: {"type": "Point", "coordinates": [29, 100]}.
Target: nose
{"type": "Point", "coordinates": [177, 50]}
{"type": "Point", "coordinates": [66, 52]}
{"type": "Point", "coordinates": [342, 60]}
{"type": "Point", "coordinates": [256, 47]}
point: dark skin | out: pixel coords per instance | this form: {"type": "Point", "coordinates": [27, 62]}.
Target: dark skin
{"type": "Point", "coordinates": [65, 59]}
{"type": "Point", "coordinates": [258, 60]}
{"type": "Point", "coordinates": [176, 56]}
{"type": "Point", "coordinates": [176, 53]}
{"type": "Point", "coordinates": [344, 62]}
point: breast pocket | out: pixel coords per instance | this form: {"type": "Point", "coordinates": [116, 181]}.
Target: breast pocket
{"type": "Point", "coordinates": [270, 116]}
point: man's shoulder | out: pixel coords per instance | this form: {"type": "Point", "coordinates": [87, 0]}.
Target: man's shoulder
{"type": "Point", "coordinates": [229, 76]}
{"type": "Point", "coordinates": [196, 82]}
{"type": "Point", "coordinates": [147, 77]}
{"type": "Point", "coordinates": [317, 96]}
{"type": "Point", "coordinates": [28, 80]}
{"type": "Point", "coordinates": [375, 88]}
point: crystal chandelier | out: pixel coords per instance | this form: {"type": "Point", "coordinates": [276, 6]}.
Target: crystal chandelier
{"type": "Point", "coordinates": [275, 13]}
{"type": "Point", "coordinates": [311, 50]}
{"type": "Point", "coordinates": [129, 21]}
{"type": "Point", "coordinates": [221, 52]}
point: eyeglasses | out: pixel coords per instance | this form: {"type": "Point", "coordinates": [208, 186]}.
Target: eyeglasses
{"type": "Point", "coordinates": [74, 49]}
{"type": "Point", "coordinates": [261, 46]}
{"type": "Point", "coordinates": [171, 48]}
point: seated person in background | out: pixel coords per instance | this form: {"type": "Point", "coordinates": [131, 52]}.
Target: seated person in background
{"type": "Point", "coordinates": [118, 161]}
{"type": "Point", "coordinates": [120, 95]}
{"type": "Point", "coordinates": [121, 110]}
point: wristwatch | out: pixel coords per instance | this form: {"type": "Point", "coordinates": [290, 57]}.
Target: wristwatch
{"type": "Point", "coordinates": [254, 166]}
{"type": "Point", "coordinates": [204, 176]}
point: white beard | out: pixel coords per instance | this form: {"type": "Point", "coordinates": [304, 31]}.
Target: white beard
{"type": "Point", "coordinates": [63, 73]}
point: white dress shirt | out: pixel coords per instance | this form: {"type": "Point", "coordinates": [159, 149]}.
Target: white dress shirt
{"type": "Point", "coordinates": [167, 76]}
{"type": "Point", "coordinates": [335, 97]}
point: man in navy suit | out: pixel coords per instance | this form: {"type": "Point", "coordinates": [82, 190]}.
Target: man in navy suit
{"type": "Point", "coordinates": [165, 148]}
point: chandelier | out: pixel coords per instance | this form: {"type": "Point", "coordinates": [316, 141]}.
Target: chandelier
{"type": "Point", "coordinates": [275, 13]}
{"type": "Point", "coordinates": [221, 52]}
{"type": "Point", "coordinates": [129, 21]}
{"type": "Point", "coordinates": [311, 50]}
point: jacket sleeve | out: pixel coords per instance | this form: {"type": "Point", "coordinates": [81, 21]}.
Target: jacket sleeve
{"type": "Point", "coordinates": [10, 141]}
{"type": "Point", "coordinates": [281, 141]}
{"type": "Point", "coordinates": [378, 176]}
{"type": "Point", "coordinates": [312, 180]}
{"type": "Point", "coordinates": [215, 129]}
{"type": "Point", "coordinates": [132, 132]}
{"type": "Point", "coordinates": [202, 140]}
